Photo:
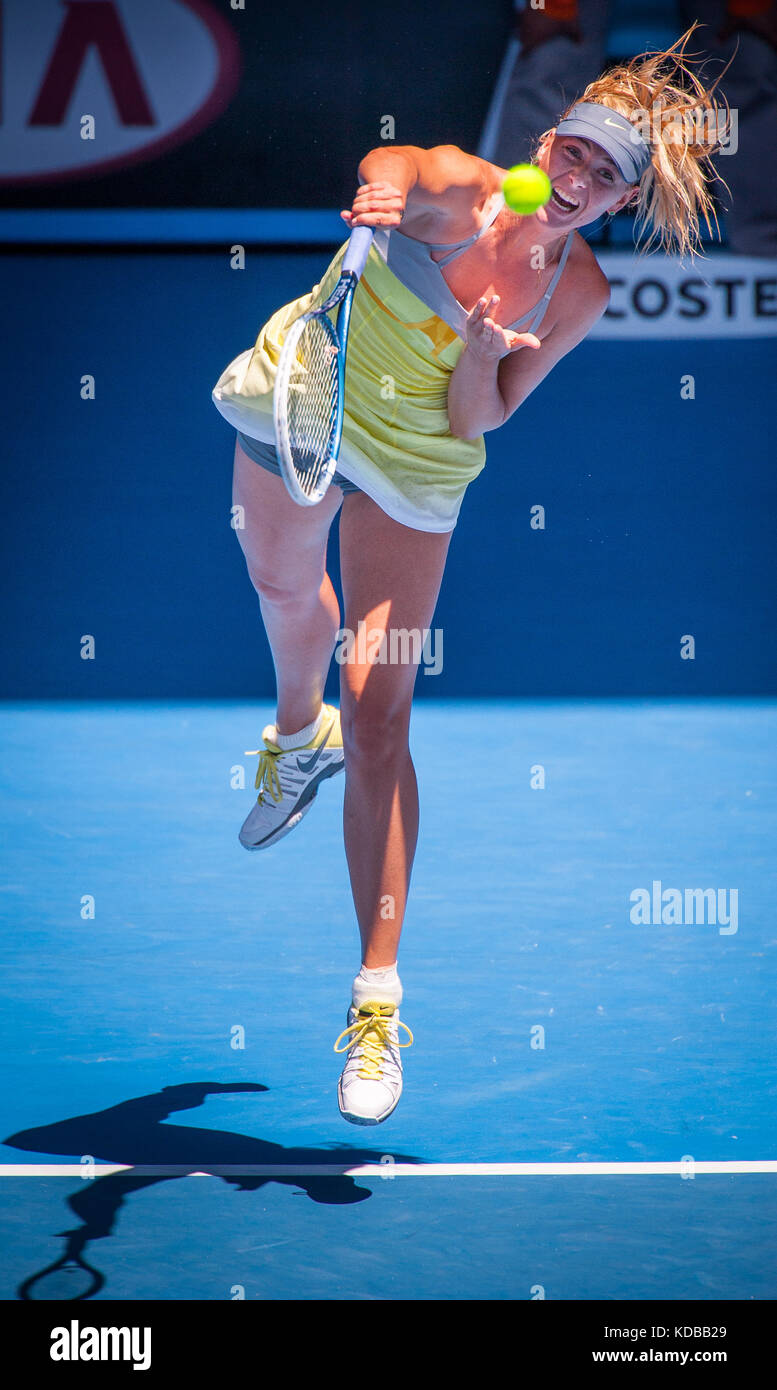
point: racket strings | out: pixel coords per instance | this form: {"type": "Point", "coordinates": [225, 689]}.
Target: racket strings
{"type": "Point", "coordinates": [312, 403]}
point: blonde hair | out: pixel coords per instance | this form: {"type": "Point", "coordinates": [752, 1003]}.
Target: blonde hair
{"type": "Point", "coordinates": [684, 126]}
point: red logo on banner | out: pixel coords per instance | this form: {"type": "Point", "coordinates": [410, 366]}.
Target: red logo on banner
{"type": "Point", "coordinates": [89, 86]}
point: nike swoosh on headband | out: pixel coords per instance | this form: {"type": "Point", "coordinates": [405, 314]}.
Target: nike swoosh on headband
{"type": "Point", "coordinates": [627, 148]}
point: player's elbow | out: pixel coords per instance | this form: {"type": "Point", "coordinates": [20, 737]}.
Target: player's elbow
{"type": "Point", "coordinates": [458, 423]}
{"type": "Point", "coordinates": [458, 428]}
{"type": "Point", "coordinates": [390, 164]}
{"type": "Point", "coordinates": [472, 428]}
{"type": "Point", "coordinates": [368, 159]}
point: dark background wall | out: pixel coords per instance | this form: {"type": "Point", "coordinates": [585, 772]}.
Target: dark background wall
{"type": "Point", "coordinates": [315, 81]}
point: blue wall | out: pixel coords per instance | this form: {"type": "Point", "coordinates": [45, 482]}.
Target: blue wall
{"type": "Point", "coordinates": [660, 512]}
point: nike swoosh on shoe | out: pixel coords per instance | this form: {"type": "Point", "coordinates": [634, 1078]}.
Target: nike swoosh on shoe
{"type": "Point", "coordinates": [307, 766]}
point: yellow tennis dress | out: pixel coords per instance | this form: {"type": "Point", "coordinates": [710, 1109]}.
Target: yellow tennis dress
{"type": "Point", "coordinates": [397, 444]}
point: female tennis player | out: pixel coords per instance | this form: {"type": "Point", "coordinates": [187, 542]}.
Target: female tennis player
{"type": "Point", "coordinates": [463, 308]}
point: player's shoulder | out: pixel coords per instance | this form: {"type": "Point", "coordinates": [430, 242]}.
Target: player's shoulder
{"type": "Point", "coordinates": [581, 296]}
{"type": "Point", "coordinates": [442, 168]}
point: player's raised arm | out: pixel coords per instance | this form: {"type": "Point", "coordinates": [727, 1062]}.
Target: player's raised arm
{"type": "Point", "coordinates": [403, 183]}
{"type": "Point", "coordinates": [493, 377]}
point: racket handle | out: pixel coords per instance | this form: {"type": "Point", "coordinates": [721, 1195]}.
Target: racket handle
{"type": "Point", "coordinates": [358, 249]}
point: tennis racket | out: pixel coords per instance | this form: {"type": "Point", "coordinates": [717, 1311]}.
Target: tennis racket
{"type": "Point", "coordinates": [69, 1279]}
{"type": "Point", "coordinates": [309, 390]}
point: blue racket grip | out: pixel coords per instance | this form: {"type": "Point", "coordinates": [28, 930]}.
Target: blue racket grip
{"type": "Point", "coordinates": [358, 249]}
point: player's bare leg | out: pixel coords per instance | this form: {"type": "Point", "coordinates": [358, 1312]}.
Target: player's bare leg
{"type": "Point", "coordinates": [391, 580]}
{"type": "Point", "coordinates": [285, 551]}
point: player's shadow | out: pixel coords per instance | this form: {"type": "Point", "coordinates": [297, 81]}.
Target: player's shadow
{"type": "Point", "coordinates": [132, 1132]}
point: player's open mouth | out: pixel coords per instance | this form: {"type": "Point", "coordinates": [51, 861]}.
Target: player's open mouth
{"type": "Point", "coordinates": [564, 204]}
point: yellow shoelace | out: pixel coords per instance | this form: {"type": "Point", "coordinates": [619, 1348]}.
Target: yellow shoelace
{"type": "Point", "coordinates": [267, 778]}
{"type": "Point", "coordinates": [370, 1030]}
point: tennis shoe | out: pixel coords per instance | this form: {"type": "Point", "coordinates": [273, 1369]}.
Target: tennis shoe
{"type": "Point", "coordinates": [287, 780]}
{"type": "Point", "coordinates": [371, 1083]}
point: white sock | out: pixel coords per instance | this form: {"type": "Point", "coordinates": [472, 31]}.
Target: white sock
{"type": "Point", "coordinates": [304, 736]}
{"type": "Point", "coordinates": [382, 984]}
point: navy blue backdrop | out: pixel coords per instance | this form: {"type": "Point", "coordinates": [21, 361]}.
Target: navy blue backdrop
{"type": "Point", "coordinates": [116, 511]}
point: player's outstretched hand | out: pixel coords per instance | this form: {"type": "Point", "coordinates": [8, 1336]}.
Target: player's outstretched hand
{"type": "Point", "coordinates": [376, 205]}
{"type": "Point", "coordinates": [487, 339]}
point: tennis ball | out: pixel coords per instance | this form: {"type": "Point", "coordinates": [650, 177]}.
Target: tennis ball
{"type": "Point", "coordinates": [526, 188]}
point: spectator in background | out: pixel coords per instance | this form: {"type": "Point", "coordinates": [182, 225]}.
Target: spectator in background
{"type": "Point", "coordinates": [745, 33]}
{"type": "Point", "coordinates": [564, 46]}
{"type": "Point", "coordinates": [562, 50]}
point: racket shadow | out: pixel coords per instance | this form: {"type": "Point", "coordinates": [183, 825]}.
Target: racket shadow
{"type": "Point", "coordinates": [133, 1132]}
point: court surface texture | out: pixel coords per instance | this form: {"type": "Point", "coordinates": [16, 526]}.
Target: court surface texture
{"type": "Point", "coordinates": [589, 1102]}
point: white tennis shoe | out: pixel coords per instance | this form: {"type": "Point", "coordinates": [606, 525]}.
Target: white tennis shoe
{"type": "Point", "coordinates": [287, 780]}
{"type": "Point", "coordinates": [371, 1083]}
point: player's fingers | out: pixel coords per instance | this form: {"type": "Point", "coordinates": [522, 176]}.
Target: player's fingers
{"type": "Point", "coordinates": [484, 305]}
{"type": "Point", "coordinates": [375, 219]}
{"type": "Point", "coordinates": [388, 188]}
{"type": "Point", "coordinates": [378, 212]}
{"type": "Point", "coordinates": [378, 190]}
{"type": "Point", "coordinates": [390, 203]}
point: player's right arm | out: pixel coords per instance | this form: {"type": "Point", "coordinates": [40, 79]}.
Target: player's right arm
{"type": "Point", "coordinates": [436, 189]}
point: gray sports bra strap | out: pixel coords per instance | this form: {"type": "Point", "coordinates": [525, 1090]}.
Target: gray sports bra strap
{"type": "Point", "coordinates": [460, 246]}
{"type": "Point", "coordinates": [560, 266]}
{"type": "Point", "coordinates": [540, 310]}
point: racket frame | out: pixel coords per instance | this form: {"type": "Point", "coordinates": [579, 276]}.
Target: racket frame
{"type": "Point", "coordinates": [342, 295]}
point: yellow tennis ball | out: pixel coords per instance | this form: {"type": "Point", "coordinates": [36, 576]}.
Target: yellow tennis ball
{"type": "Point", "coordinates": [526, 188]}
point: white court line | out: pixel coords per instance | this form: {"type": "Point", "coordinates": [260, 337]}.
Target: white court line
{"type": "Point", "coordinates": [388, 1168]}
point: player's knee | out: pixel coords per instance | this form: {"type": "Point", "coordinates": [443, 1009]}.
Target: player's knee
{"type": "Point", "coordinates": [298, 591]}
{"type": "Point", "coordinates": [376, 729]}
{"type": "Point", "coordinates": [283, 578]}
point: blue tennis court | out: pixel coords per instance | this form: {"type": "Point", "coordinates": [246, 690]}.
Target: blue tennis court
{"type": "Point", "coordinates": [188, 1024]}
